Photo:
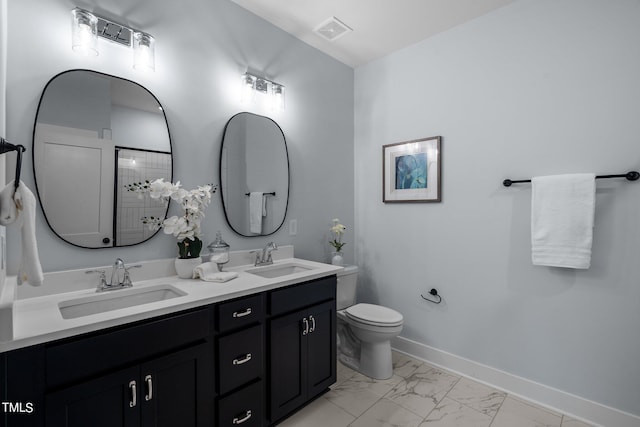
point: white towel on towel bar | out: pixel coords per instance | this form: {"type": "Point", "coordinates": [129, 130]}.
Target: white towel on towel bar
{"type": "Point", "coordinates": [19, 208]}
{"type": "Point", "coordinates": [256, 211]}
{"type": "Point", "coordinates": [562, 214]}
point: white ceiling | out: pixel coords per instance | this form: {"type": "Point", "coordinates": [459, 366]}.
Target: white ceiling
{"type": "Point", "coordinates": [379, 26]}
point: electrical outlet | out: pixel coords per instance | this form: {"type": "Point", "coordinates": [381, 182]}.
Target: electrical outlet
{"type": "Point", "coordinates": [293, 227]}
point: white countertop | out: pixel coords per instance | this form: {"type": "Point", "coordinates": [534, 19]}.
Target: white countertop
{"type": "Point", "coordinates": [38, 319]}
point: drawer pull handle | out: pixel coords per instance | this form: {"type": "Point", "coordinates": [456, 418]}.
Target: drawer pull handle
{"type": "Point", "coordinates": [244, 359]}
{"type": "Point", "coordinates": [313, 324]}
{"type": "Point", "coordinates": [246, 312]}
{"type": "Point", "coordinates": [246, 417]}
{"type": "Point", "coordinates": [149, 382]}
{"type": "Point", "coordinates": [132, 388]}
{"type": "Point", "coordinates": [305, 322]}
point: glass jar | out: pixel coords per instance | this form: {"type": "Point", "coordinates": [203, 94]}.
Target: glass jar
{"type": "Point", "coordinates": [219, 251]}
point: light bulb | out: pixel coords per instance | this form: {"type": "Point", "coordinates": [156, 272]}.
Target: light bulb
{"type": "Point", "coordinates": [246, 88]}
{"type": "Point", "coordinates": [144, 52]}
{"type": "Point", "coordinates": [84, 32]}
{"type": "Point", "coordinates": [277, 95]}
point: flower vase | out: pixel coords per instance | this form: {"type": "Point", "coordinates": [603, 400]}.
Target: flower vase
{"type": "Point", "coordinates": [337, 258]}
{"type": "Point", "coordinates": [185, 266]}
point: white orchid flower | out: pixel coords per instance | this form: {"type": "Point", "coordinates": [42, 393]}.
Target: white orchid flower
{"type": "Point", "coordinates": [193, 203]}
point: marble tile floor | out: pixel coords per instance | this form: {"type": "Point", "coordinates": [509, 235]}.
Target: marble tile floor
{"type": "Point", "coordinates": [420, 395]}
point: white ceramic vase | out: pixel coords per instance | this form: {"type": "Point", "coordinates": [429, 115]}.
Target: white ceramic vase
{"type": "Point", "coordinates": [185, 266]}
{"type": "Point", "coordinates": [337, 258]}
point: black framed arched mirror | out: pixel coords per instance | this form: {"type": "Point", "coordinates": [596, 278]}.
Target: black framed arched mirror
{"type": "Point", "coordinates": [254, 175]}
{"type": "Point", "coordinates": [94, 134]}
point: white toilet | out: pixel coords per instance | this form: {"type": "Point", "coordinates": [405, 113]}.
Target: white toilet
{"type": "Point", "coordinates": [364, 330]}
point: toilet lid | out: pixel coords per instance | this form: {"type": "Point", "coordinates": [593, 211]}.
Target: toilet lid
{"type": "Point", "coordinates": [374, 315]}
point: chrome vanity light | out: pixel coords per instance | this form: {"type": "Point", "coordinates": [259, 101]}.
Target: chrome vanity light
{"type": "Point", "coordinates": [253, 86]}
{"type": "Point", "coordinates": [87, 27]}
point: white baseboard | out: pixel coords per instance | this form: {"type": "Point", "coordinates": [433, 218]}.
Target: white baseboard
{"type": "Point", "coordinates": [549, 397]}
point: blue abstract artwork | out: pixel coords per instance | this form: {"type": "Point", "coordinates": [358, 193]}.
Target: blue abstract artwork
{"type": "Point", "coordinates": [411, 171]}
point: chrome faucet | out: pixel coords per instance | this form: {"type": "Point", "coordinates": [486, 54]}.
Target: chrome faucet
{"type": "Point", "coordinates": [120, 277]}
{"type": "Point", "coordinates": [264, 257]}
{"type": "Point", "coordinates": [116, 277]}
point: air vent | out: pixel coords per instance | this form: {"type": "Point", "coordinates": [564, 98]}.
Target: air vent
{"type": "Point", "coordinates": [332, 29]}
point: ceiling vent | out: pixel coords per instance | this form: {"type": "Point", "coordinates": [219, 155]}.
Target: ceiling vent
{"type": "Point", "coordinates": [332, 29]}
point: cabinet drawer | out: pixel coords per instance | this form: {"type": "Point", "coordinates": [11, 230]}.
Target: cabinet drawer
{"type": "Point", "coordinates": [299, 296]}
{"type": "Point", "coordinates": [102, 352]}
{"type": "Point", "coordinates": [239, 312]}
{"type": "Point", "coordinates": [240, 358]}
{"type": "Point", "coordinates": [244, 408]}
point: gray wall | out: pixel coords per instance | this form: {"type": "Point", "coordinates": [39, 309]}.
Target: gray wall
{"type": "Point", "coordinates": [202, 49]}
{"type": "Point", "coordinates": [3, 75]}
{"type": "Point", "coordinates": [538, 87]}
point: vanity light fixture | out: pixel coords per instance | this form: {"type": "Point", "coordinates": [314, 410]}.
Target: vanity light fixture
{"type": "Point", "coordinates": [87, 27]}
{"type": "Point", "coordinates": [144, 51]}
{"type": "Point", "coordinates": [84, 32]}
{"type": "Point", "coordinates": [253, 85]}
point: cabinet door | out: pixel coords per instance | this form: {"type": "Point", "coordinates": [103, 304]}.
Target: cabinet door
{"type": "Point", "coordinates": [109, 401]}
{"type": "Point", "coordinates": [177, 390]}
{"type": "Point", "coordinates": [288, 373]}
{"type": "Point", "coordinates": [321, 348]}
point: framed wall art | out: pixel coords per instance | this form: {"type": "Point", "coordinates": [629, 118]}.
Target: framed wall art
{"type": "Point", "coordinates": [411, 171]}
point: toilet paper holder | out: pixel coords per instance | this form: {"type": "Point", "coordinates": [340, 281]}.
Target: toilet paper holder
{"type": "Point", "coordinates": [433, 293]}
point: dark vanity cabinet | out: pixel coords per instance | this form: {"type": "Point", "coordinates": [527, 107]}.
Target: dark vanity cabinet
{"type": "Point", "coordinates": [302, 344]}
{"type": "Point", "coordinates": [249, 361]}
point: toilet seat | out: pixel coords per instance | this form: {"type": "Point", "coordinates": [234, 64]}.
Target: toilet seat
{"type": "Point", "coordinates": [374, 315]}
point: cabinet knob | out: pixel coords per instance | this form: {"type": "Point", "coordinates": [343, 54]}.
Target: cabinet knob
{"type": "Point", "coordinates": [245, 418]}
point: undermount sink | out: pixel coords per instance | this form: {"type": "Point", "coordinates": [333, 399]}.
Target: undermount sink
{"type": "Point", "coordinates": [114, 300]}
{"type": "Point", "coordinates": [278, 270]}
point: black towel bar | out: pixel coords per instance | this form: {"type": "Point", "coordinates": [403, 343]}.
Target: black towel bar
{"type": "Point", "coordinates": [5, 147]}
{"type": "Point", "coordinates": [273, 193]}
{"type": "Point", "coordinates": [630, 176]}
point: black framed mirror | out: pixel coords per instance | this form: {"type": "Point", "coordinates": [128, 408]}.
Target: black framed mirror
{"type": "Point", "coordinates": [254, 175]}
{"type": "Point", "coordinates": [95, 133]}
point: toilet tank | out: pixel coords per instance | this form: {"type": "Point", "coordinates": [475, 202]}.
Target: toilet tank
{"type": "Point", "coordinates": [346, 289]}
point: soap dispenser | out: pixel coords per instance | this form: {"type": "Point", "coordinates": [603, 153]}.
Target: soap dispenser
{"type": "Point", "coordinates": [219, 251]}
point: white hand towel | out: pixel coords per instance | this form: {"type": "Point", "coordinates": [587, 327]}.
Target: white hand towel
{"type": "Point", "coordinates": [256, 210]}
{"type": "Point", "coordinates": [19, 208]}
{"type": "Point", "coordinates": [562, 211]}
{"type": "Point", "coordinates": [209, 273]}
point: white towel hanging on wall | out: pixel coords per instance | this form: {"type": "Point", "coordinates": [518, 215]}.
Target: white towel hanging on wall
{"type": "Point", "coordinates": [256, 211]}
{"type": "Point", "coordinates": [18, 207]}
{"type": "Point", "coordinates": [562, 218]}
